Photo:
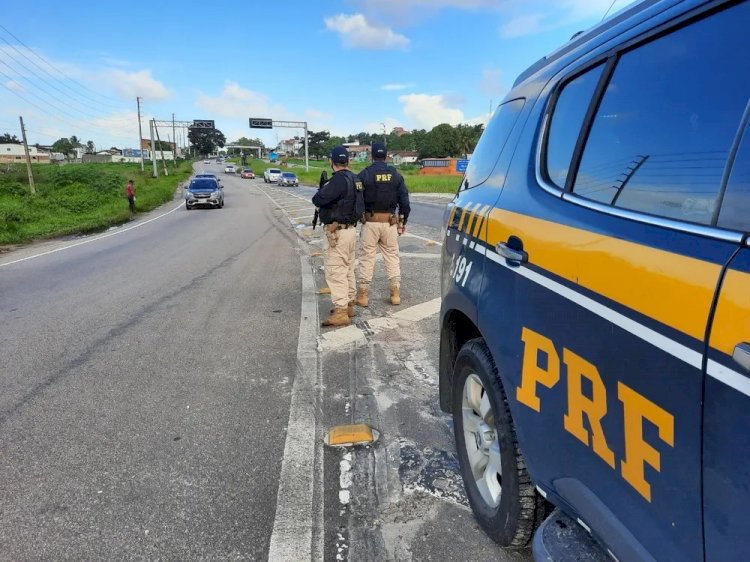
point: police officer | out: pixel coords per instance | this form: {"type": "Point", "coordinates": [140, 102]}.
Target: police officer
{"type": "Point", "coordinates": [341, 208]}
{"type": "Point", "coordinates": [384, 190]}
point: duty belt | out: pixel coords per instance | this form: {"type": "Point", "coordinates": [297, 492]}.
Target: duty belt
{"type": "Point", "coordinates": [332, 226]}
{"type": "Point", "coordinates": [380, 217]}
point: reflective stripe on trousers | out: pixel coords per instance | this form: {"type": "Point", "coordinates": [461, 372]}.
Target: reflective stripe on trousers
{"type": "Point", "coordinates": [339, 266]}
{"type": "Point", "coordinates": [384, 236]}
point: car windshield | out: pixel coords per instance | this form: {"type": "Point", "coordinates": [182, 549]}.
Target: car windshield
{"type": "Point", "coordinates": [274, 171]}
{"type": "Point", "coordinates": [247, 170]}
{"type": "Point", "coordinates": [288, 175]}
{"type": "Point", "coordinates": [205, 185]}
{"type": "Point", "coordinates": [207, 176]}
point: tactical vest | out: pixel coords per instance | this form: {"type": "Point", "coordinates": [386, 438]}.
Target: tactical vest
{"type": "Point", "coordinates": [349, 208]}
{"type": "Point", "coordinates": [381, 189]}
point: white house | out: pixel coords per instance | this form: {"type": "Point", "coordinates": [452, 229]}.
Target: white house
{"type": "Point", "coordinates": [15, 153]}
{"type": "Point", "coordinates": [404, 157]}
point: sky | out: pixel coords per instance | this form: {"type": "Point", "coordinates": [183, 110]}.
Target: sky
{"type": "Point", "coordinates": [341, 65]}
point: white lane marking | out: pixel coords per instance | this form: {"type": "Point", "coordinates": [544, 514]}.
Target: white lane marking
{"type": "Point", "coordinates": [350, 334]}
{"type": "Point", "coordinates": [303, 217]}
{"type": "Point", "coordinates": [292, 536]}
{"type": "Point", "coordinates": [422, 238]}
{"type": "Point", "coordinates": [101, 237]}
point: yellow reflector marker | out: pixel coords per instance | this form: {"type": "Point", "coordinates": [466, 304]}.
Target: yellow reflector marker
{"type": "Point", "coordinates": [316, 254]}
{"type": "Point", "coordinates": [324, 291]}
{"type": "Point", "coordinates": [346, 435]}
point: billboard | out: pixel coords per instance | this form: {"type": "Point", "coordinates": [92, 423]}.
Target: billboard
{"type": "Point", "coordinates": [261, 123]}
{"type": "Point", "coordinates": [132, 152]}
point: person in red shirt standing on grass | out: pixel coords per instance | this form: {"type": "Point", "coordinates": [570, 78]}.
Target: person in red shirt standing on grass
{"type": "Point", "coordinates": [130, 194]}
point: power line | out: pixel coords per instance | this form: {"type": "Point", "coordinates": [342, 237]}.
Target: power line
{"type": "Point", "coordinates": [605, 13]}
{"type": "Point", "coordinates": [56, 98]}
{"type": "Point", "coordinates": [63, 74]}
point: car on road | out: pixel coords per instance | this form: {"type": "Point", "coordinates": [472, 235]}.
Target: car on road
{"type": "Point", "coordinates": [271, 175]}
{"type": "Point", "coordinates": [230, 169]}
{"type": "Point", "coordinates": [207, 161]}
{"type": "Point", "coordinates": [210, 176]}
{"type": "Point", "coordinates": [595, 317]}
{"type": "Point", "coordinates": [204, 192]}
{"type": "Point", "coordinates": [247, 173]}
{"type": "Point", "coordinates": [288, 178]}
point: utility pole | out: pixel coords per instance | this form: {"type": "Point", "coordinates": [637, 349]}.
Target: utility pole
{"type": "Point", "coordinates": [161, 148]}
{"type": "Point", "coordinates": [140, 134]}
{"type": "Point", "coordinates": [307, 166]}
{"type": "Point", "coordinates": [155, 172]}
{"type": "Point", "coordinates": [28, 157]}
{"type": "Point", "coordinates": [174, 146]}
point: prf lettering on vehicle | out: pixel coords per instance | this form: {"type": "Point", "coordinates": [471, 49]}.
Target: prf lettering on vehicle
{"type": "Point", "coordinates": [542, 366]}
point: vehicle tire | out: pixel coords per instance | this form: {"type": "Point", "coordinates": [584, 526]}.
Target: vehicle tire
{"type": "Point", "coordinates": [500, 491]}
{"type": "Point", "coordinates": [187, 207]}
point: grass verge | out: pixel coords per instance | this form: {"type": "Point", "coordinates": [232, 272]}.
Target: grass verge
{"type": "Point", "coordinates": [415, 182]}
{"type": "Point", "coordinates": [77, 198]}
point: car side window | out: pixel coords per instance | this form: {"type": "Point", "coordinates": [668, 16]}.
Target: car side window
{"type": "Point", "coordinates": [669, 115]}
{"type": "Point", "coordinates": [492, 143]}
{"type": "Point", "coordinates": [735, 208]}
{"type": "Point", "coordinates": [565, 124]}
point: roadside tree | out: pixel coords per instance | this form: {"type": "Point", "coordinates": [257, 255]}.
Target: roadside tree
{"type": "Point", "coordinates": [206, 141]}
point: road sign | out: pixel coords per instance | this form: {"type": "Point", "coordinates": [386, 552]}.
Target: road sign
{"type": "Point", "coordinates": [461, 165]}
{"type": "Point", "coordinates": [202, 124]}
{"type": "Point", "coordinates": [260, 123]}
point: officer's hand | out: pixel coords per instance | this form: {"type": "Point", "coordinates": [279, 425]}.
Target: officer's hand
{"type": "Point", "coordinates": [401, 229]}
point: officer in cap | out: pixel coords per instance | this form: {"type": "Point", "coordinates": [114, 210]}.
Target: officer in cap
{"type": "Point", "coordinates": [341, 208]}
{"type": "Point", "coordinates": [384, 190]}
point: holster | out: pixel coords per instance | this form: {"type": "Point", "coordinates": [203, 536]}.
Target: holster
{"type": "Point", "coordinates": [332, 233]}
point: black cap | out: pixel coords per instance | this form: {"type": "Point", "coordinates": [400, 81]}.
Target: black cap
{"type": "Point", "coordinates": [339, 155]}
{"type": "Point", "coordinates": [378, 150]}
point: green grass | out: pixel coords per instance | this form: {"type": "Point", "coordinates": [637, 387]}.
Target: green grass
{"type": "Point", "coordinates": [77, 198]}
{"type": "Point", "coordinates": [415, 182]}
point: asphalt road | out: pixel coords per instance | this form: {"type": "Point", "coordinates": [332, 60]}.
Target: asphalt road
{"type": "Point", "coordinates": [145, 387]}
{"type": "Point", "coordinates": [166, 388]}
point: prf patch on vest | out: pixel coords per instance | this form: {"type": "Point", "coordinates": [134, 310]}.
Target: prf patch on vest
{"type": "Point", "coordinates": [358, 185]}
{"type": "Point", "coordinates": [383, 177]}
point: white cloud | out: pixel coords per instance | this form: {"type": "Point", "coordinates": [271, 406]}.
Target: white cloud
{"type": "Point", "coordinates": [139, 83]}
{"type": "Point", "coordinates": [395, 87]}
{"type": "Point", "coordinates": [236, 102]}
{"type": "Point", "coordinates": [425, 111]}
{"type": "Point", "coordinates": [15, 86]}
{"type": "Point", "coordinates": [527, 24]}
{"type": "Point", "coordinates": [492, 83]}
{"type": "Point", "coordinates": [376, 127]}
{"type": "Point", "coordinates": [538, 16]}
{"type": "Point", "coordinates": [357, 32]}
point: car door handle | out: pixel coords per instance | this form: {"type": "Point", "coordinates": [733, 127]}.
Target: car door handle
{"type": "Point", "coordinates": [511, 254]}
{"type": "Point", "coordinates": [741, 355]}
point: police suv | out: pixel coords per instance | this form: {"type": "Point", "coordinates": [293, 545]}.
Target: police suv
{"type": "Point", "coordinates": [595, 320]}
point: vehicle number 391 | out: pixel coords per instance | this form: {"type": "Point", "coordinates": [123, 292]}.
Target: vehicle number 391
{"type": "Point", "coordinates": [460, 269]}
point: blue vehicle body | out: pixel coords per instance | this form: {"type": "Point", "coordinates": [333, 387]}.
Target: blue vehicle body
{"type": "Point", "coordinates": [615, 331]}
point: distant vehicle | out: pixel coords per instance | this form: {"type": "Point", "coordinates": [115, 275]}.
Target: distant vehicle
{"type": "Point", "coordinates": [272, 157]}
{"type": "Point", "coordinates": [209, 176]}
{"type": "Point", "coordinates": [207, 161]}
{"type": "Point", "coordinates": [230, 169]}
{"type": "Point", "coordinates": [247, 173]}
{"type": "Point", "coordinates": [204, 192]}
{"type": "Point", "coordinates": [271, 175]}
{"type": "Point", "coordinates": [288, 178]}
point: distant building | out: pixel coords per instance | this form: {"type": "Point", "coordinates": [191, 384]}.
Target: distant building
{"type": "Point", "coordinates": [15, 153]}
{"type": "Point", "coordinates": [357, 152]}
{"type": "Point", "coordinates": [404, 157]}
{"type": "Point", "coordinates": [291, 146]}
{"type": "Point", "coordinates": [399, 131]}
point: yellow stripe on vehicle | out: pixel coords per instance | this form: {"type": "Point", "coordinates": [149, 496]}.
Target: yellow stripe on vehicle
{"type": "Point", "coordinates": [732, 321]}
{"type": "Point", "coordinates": [659, 283]}
{"type": "Point", "coordinates": [480, 221]}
